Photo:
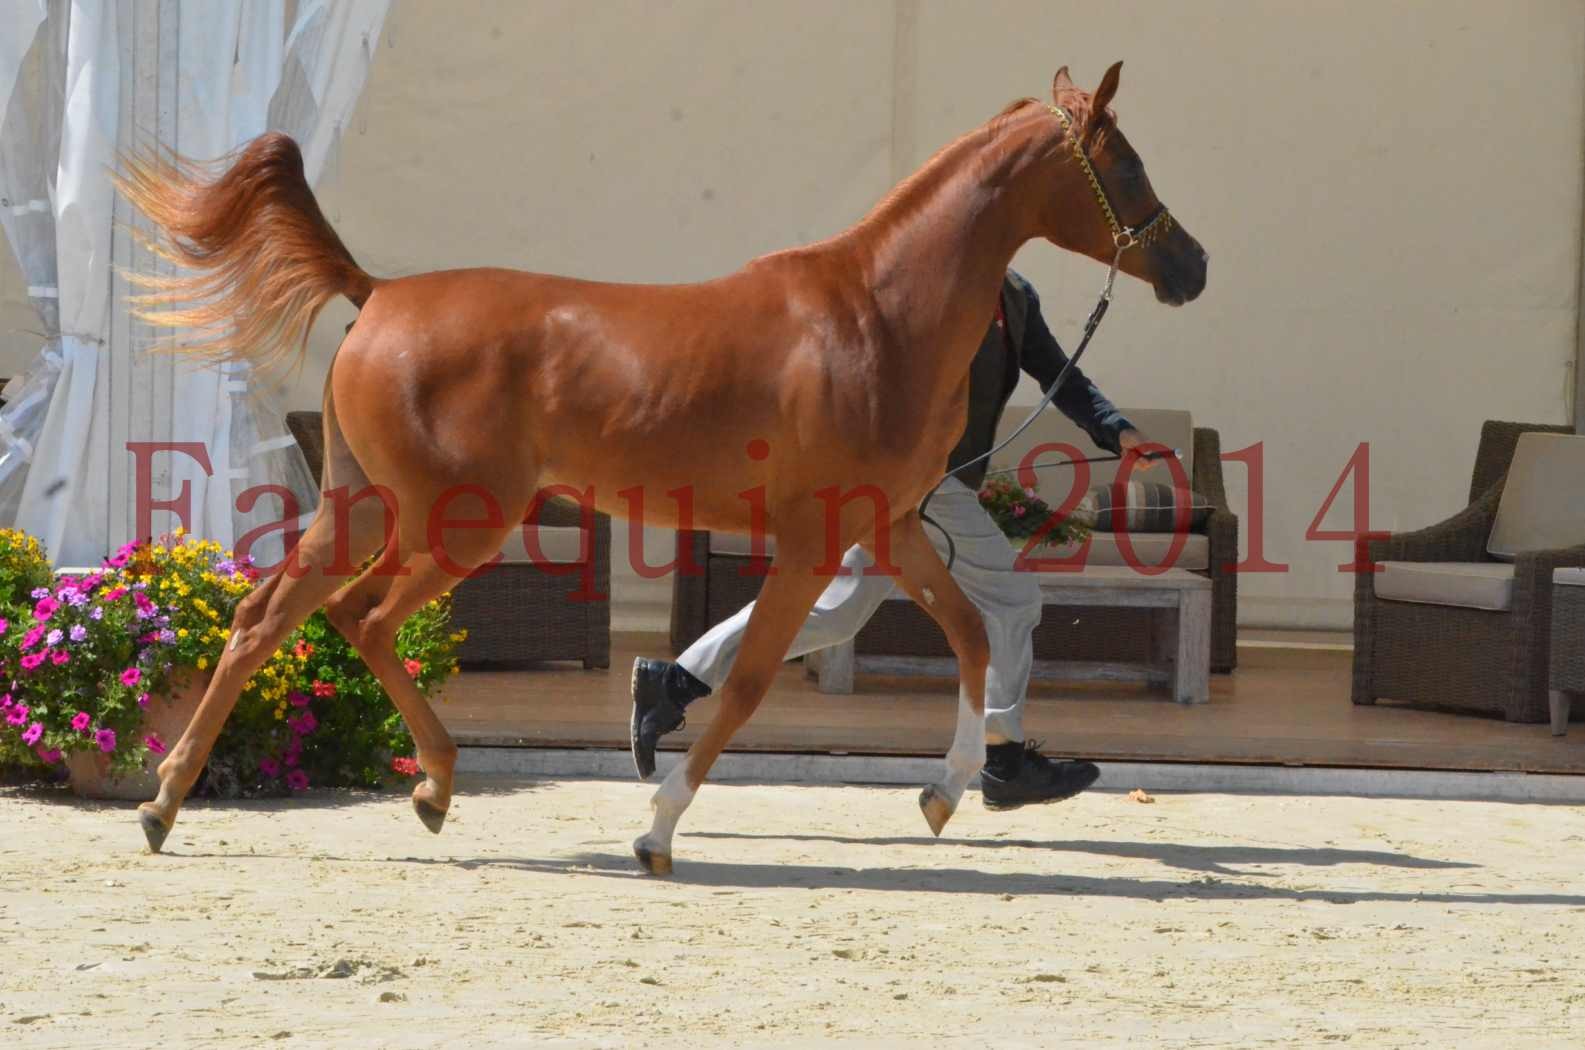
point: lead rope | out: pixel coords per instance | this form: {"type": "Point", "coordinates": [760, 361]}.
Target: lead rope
{"type": "Point", "coordinates": [1094, 322]}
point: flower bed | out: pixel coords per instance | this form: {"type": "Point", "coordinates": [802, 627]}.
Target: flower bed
{"type": "Point", "coordinates": [84, 656]}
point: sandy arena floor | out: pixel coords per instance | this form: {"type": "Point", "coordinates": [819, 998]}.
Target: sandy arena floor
{"type": "Point", "coordinates": [798, 917]}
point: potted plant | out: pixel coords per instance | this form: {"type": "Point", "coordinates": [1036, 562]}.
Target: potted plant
{"type": "Point", "coordinates": [106, 668]}
{"type": "Point", "coordinates": [1021, 514]}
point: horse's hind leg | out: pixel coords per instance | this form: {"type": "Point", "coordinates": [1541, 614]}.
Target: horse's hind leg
{"type": "Point", "coordinates": [926, 580]}
{"type": "Point", "coordinates": [261, 623]}
{"type": "Point", "coordinates": [783, 604]}
{"type": "Point", "coordinates": [370, 612]}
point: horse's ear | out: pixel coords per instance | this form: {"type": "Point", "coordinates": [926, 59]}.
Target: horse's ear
{"type": "Point", "coordinates": [1060, 83]}
{"type": "Point", "coordinates": [1100, 100]}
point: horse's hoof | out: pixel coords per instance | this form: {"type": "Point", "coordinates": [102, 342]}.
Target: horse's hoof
{"type": "Point", "coordinates": [937, 810]}
{"type": "Point", "coordinates": [154, 829]}
{"type": "Point", "coordinates": [433, 816]}
{"type": "Point", "coordinates": [650, 860]}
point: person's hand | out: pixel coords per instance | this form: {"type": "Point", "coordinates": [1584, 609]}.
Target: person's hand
{"type": "Point", "coordinates": [1133, 439]}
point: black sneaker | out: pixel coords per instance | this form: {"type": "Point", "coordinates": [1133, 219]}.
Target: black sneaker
{"type": "Point", "coordinates": [661, 689]}
{"type": "Point", "coordinates": [1016, 778]}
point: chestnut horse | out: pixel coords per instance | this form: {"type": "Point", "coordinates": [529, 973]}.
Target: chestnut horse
{"type": "Point", "coordinates": [813, 395]}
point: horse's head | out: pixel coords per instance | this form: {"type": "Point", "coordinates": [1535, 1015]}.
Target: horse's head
{"type": "Point", "coordinates": [1115, 203]}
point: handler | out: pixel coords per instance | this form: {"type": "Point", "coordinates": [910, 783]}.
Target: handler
{"type": "Point", "coordinates": [1015, 773]}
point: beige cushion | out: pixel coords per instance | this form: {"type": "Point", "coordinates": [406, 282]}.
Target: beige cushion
{"type": "Point", "coordinates": [1168, 426]}
{"type": "Point", "coordinates": [1568, 577]}
{"type": "Point", "coordinates": [1149, 549]}
{"type": "Point", "coordinates": [1471, 585]}
{"type": "Point", "coordinates": [559, 545]}
{"type": "Point", "coordinates": [1543, 499]}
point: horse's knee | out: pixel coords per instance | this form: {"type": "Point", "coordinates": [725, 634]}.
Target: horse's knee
{"type": "Point", "coordinates": [343, 615]}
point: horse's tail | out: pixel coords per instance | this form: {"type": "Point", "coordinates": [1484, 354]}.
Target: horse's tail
{"type": "Point", "coordinates": [261, 259]}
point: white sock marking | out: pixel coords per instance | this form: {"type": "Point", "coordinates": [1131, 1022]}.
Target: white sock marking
{"type": "Point", "coordinates": [670, 802]}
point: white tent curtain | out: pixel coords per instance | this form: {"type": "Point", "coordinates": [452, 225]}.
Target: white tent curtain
{"type": "Point", "coordinates": [93, 78]}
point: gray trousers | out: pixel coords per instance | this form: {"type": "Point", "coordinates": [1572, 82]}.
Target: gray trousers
{"type": "Point", "coordinates": [1008, 600]}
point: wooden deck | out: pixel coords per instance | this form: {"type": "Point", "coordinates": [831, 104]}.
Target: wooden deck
{"type": "Point", "coordinates": [1282, 707]}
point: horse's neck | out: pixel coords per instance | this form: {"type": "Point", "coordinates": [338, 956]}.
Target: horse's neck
{"type": "Point", "coordinates": [940, 246]}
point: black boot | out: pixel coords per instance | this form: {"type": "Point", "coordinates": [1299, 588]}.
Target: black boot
{"type": "Point", "coordinates": [1017, 774]}
{"type": "Point", "coordinates": [661, 689]}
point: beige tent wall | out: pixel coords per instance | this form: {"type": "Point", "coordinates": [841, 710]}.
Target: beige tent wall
{"type": "Point", "coordinates": [1390, 194]}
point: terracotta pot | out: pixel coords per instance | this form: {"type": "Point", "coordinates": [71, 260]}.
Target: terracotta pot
{"type": "Point", "coordinates": [167, 718]}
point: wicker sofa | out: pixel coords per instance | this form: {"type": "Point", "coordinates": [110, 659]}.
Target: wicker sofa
{"type": "Point", "coordinates": [700, 600]}
{"type": "Point", "coordinates": [1485, 652]}
{"type": "Point", "coordinates": [519, 612]}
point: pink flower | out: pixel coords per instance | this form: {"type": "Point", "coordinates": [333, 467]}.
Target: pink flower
{"type": "Point", "coordinates": [31, 735]}
{"type": "Point", "coordinates": [304, 724]}
{"type": "Point", "coordinates": [32, 660]}
{"type": "Point", "coordinates": [269, 767]}
{"type": "Point", "coordinates": [297, 780]}
{"type": "Point", "coordinates": [113, 593]}
{"type": "Point", "coordinates": [143, 699]}
{"type": "Point", "coordinates": [18, 715]}
{"type": "Point", "coordinates": [131, 676]}
{"type": "Point", "coordinates": [154, 743]}
{"type": "Point", "coordinates": [60, 656]}
{"type": "Point", "coordinates": [407, 767]}
{"type": "Point", "coordinates": [298, 699]}
{"type": "Point", "coordinates": [81, 721]}
{"type": "Point", "coordinates": [106, 739]}
{"type": "Point", "coordinates": [49, 756]}
{"type": "Point", "coordinates": [413, 667]}
{"type": "Point", "coordinates": [4, 624]}
{"type": "Point", "coordinates": [34, 637]}
{"type": "Point", "coordinates": [45, 609]}
{"type": "Point", "coordinates": [5, 701]}
{"type": "Point", "coordinates": [1019, 511]}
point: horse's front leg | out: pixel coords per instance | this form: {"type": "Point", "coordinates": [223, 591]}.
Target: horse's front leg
{"type": "Point", "coordinates": [926, 580]}
{"type": "Point", "coordinates": [783, 604]}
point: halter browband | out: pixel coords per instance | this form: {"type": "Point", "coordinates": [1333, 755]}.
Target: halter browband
{"type": "Point", "coordinates": [1122, 237]}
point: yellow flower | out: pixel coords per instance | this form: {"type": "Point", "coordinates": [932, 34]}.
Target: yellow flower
{"type": "Point", "coordinates": [182, 633]}
{"type": "Point", "coordinates": [203, 662]}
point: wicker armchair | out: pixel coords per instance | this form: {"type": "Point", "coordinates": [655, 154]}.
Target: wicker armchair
{"type": "Point", "coordinates": [518, 612]}
{"type": "Point", "coordinates": [1447, 656]}
{"type": "Point", "coordinates": [702, 599]}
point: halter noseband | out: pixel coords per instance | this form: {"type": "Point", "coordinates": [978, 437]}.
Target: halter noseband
{"type": "Point", "coordinates": [1123, 237]}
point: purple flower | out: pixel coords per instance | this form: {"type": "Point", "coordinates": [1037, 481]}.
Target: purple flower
{"type": "Point", "coordinates": [96, 613]}
{"type": "Point", "coordinates": [39, 592]}
{"type": "Point", "coordinates": [78, 632]}
{"type": "Point", "coordinates": [45, 609]}
{"type": "Point", "coordinates": [32, 733]}
{"type": "Point", "coordinates": [81, 721]}
{"type": "Point", "coordinates": [269, 767]}
{"type": "Point", "coordinates": [76, 599]}
{"type": "Point", "coordinates": [297, 780]}
{"type": "Point", "coordinates": [54, 637]}
{"type": "Point", "coordinates": [226, 567]}
{"type": "Point", "coordinates": [143, 699]}
{"type": "Point", "coordinates": [167, 637]}
{"type": "Point", "coordinates": [304, 724]}
{"type": "Point", "coordinates": [106, 739]}
{"type": "Point", "coordinates": [131, 676]}
{"type": "Point", "coordinates": [18, 715]}
{"type": "Point", "coordinates": [298, 699]}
